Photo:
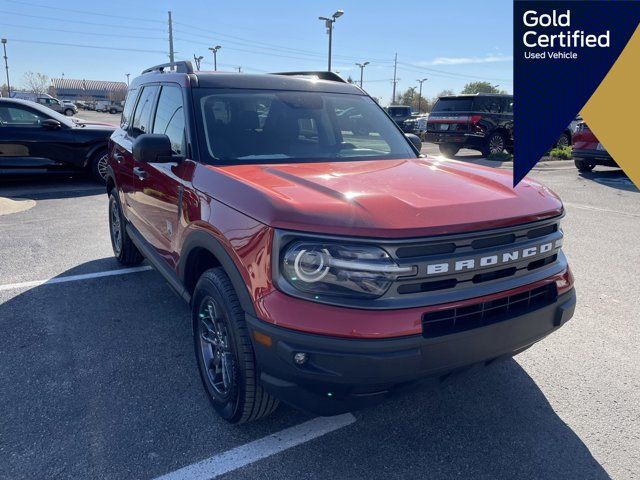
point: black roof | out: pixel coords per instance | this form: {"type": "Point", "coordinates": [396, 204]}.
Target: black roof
{"type": "Point", "coordinates": [299, 81]}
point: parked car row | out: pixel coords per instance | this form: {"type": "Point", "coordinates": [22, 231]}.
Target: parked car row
{"type": "Point", "coordinates": [36, 139]}
{"type": "Point", "coordinates": [61, 106]}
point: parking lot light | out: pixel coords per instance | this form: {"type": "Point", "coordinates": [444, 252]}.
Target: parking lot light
{"type": "Point", "coordinates": [362, 65]}
{"type": "Point", "coordinates": [215, 56]}
{"type": "Point", "coordinates": [329, 24]}
{"type": "Point", "coordinates": [420, 81]}
{"type": "Point", "coordinates": [6, 65]}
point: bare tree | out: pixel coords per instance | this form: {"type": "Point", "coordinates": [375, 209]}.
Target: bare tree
{"type": "Point", "coordinates": [36, 82]}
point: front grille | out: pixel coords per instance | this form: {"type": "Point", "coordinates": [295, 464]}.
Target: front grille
{"type": "Point", "coordinates": [479, 247]}
{"type": "Point", "coordinates": [460, 319]}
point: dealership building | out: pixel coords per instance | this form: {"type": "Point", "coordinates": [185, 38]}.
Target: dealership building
{"type": "Point", "coordinates": [88, 90]}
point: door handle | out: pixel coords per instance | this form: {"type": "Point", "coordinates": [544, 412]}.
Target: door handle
{"type": "Point", "coordinates": [118, 157]}
{"type": "Point", "coordinates": [140, 173]}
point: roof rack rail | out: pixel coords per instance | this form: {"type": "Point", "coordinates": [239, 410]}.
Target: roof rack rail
{"type": "Point", "coordinates": [321, 75]}
{"type": "Point", "coordinates": [180, 67]}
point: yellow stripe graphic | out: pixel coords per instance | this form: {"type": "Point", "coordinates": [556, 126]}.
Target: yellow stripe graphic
{"type": "Point", "coordinates": [613, 111]}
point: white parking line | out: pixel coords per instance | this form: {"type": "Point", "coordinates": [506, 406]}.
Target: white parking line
{"type": "Point", "coordinates": [262, 448]}
{"type": "Point", "coordinates": [75, 278]}
{"type": "Point", "coordinates": [598, 209]}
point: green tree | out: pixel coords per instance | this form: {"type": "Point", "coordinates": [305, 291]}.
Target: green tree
{"type": "Point", "coordinates": [411, 97]}
{"type": "Point", "coordinates": [480, 87]}
{"type": "Point", "coordinates": [445, 93]}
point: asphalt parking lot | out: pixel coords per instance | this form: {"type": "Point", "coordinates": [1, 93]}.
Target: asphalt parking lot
{"type": "Point", "coordinates": [99, 379]}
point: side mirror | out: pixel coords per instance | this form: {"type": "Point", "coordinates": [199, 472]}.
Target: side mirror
{"type": "Point", "coordinates": [50, 124]}
{"type": "Point", "coordinates": [153, 148]}
{"type": "Point", "coordinates": [415, 140]}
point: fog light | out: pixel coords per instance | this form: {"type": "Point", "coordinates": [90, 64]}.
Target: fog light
{"type": "Point", "coordinates": [301, 358]}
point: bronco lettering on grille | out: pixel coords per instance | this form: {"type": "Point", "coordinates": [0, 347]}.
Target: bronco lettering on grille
{"type": "Point", "coordinates": [502, 258]}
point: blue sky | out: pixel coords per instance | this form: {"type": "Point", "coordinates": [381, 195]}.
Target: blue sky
{"type": "Point", "coordinates": [450, 43]}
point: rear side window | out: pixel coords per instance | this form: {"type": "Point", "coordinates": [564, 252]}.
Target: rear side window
{"type": "Point", "coordinates": [142, 117]}
{"type": "Point", "coordinates": [128, 108]}
{"type": "Point", "coordinates": [170, 118]}
{"type": "Point", "coordinates": [488, 104]}
{"type": "Point", "coordinates": [453, 105]}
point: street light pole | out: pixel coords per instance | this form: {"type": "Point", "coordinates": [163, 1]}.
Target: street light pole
{"type": "Point", "coordinates": [215, 56]}
{"type": "Point", "coordinates": [6, 65]}
{"type": "Point", "coordinates": [362, 65]}
{"type": "Point", "coordinates": [329, 24]}
{"type": "Point", "coordinates": [420, 81]}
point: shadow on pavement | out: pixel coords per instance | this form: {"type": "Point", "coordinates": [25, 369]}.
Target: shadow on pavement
{"type": "Point", "coordinates": [614, 178]}
{"type": "Point", "coordinates": [99, 380]}
{"type": "Point", "coordinates": [49, 186]}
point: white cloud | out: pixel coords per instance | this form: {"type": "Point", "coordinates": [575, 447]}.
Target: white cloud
{"type": "Point", "coordinates": [470, 60]}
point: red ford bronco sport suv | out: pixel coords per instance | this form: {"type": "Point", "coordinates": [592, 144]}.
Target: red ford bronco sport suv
{"type": "Point", "coordinates": [325, 263]}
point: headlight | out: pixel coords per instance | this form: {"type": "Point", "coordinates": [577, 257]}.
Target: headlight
{"type": "Point", "coordinates": [328, 269]}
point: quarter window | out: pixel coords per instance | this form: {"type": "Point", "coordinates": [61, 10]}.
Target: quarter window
{"type": "Point", "coordinates": [142, 116]}
{"type": "Point", "coordinates": [170, 118]}
{"type": "Point", "coordinates": [128, 108]}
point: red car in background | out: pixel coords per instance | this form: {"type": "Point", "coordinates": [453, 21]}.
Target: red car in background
{"type": "Point", "coordinates": [588, 151]}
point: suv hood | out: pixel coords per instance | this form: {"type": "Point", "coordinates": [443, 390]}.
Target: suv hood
{"type": "Point", "coordinates": [381, 198]}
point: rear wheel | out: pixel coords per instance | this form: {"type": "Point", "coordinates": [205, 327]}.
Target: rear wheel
{"type": "Point", "coordinates": [448, 149]}
{"type": "Point", "coordinates": [224, 351]}
{"type": "Point", "coordinates": [123, 248]}
{"type": "Point", "coordinates": [564, 141]}
{"type": "Point", "coordinates": [98, 165]}
{"type": "Point", "coordinates": [583, 166]}
{"type": "Point", "coordinates": [113, 110]}
{"type": "Point", "coordinates": [495, 144]}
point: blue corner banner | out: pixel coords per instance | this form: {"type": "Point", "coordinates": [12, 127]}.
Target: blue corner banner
{"type": "Point", "coordinates": [562, 52]}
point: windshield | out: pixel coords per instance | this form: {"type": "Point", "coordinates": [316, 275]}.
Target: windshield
{"type": "Point", "coordinates": [453, 104]}
{"type": "Point", "coordinates": [242, 126]}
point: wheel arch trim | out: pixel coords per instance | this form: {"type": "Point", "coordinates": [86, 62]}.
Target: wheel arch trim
{"type": "Point", "coordinates": [206, 241]}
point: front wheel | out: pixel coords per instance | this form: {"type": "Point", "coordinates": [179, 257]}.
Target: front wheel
{"type": "Point", "coordinates": [69, 112]}
{"type": "Point", "coordinates": [583, 166]}
{"type": "Point", "coordinates": [113, 110]}
{"type": "Point", "coordinates": [224, 351]}
{"type": "Point", "coordinates": [449, 150]}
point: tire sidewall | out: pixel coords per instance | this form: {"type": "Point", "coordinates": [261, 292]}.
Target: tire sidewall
{"type": "Point", "coordinates": [115, 201]}
{"type": "Point", "coordinates": [231, 408]}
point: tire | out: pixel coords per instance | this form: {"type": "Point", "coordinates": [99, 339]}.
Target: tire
{"type": "Point", "coordinates": [564, 141]}
{"type": "Point", "coordinates": [449, 150]}
{"type": "Point", "coordinates": [583, 166]}
{"type": "Point", "coordinates": [123, 248]}
{"type": "Point", "coordinates": [112, 111]}
{"type": "Point", "coordinates": [98, 165]}
{"type": "Point", "coordinates": [494, 144]}
{"type": "Point", "coordinates": [69, 112]}
{"type": "Point", "coordinates": [224, 351]}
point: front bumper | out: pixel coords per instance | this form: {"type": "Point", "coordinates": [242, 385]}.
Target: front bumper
{"type": "Point", "coordinates": [346, 374]}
